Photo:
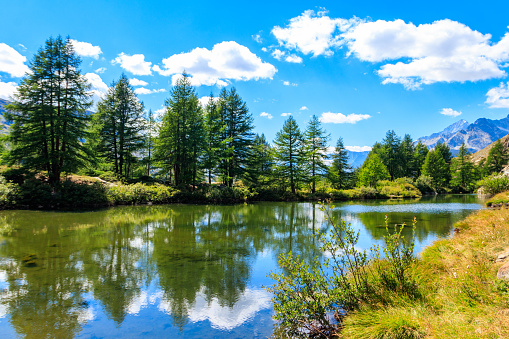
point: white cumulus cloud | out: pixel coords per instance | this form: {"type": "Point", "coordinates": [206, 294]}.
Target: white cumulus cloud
{"type": "Point", "coordinates": [99, 88]}
{"type": "Point", "coordinates": [137, 82]}
{"type": "Point", "coordinates": [266, 115]}
{"type": "Point", "coordinates": [226, 61]}
{"type": "Point", "coordinates": [205, 100]}
{"type": "Point", "coordinates": [498, 97]}
{"type": "Point", "coordinates": [7, 90]}
{"type": "Point", "coordinates": [358, 148]}
{"type": "Point", "coordinates": [450, 112]}
{"type": "Point", "coordinates": [86, 49]}
{"type": "Point", "coordinates": [312, 33]}
{"type": "Point", "coordinates": [135, 63]}
{"type": "Point", "coordinates": [339, 118]}
{"type": "Point", "coordinates": [303, 108]}
{"type": "Point", "coordinates": [143, 90]}
{"type": "Point", "coordinates": [100, 70]}
{"type": "Point", "coordinates": [12, 62]}
{"type": "Point", "coordinates": [286, 114]}
{"type": "Point", "coordinates": [288, 83]}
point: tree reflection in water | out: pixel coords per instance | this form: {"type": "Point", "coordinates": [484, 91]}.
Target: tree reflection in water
{"type": "Point", "coordinates": [60, 271]}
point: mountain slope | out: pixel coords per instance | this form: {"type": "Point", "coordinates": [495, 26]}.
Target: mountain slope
{"type": "Point", "coordinates": [476, 136]}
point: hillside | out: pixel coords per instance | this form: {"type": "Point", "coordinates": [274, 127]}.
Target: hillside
{"type": "Point", "coordinates": [476, 136]}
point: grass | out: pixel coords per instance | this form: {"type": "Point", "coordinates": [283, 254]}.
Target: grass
{"type": "Point", "coordinates": [460, 296]}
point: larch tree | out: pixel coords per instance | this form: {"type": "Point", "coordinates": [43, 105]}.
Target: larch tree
{"type": "Point", "coordinates": [372, 171]}
{"type": "Point", "coordinates": [463, 171]}
{"type": "Point", "coordinates": [181, 136]}
{"type": "Point", "coordinates": [120, 123]}
{"type": "Point", "coordinates": [260, 163]}
{"type": "Point", "coordinates": [391, 155]}
{"type": "Point", "coordinates": [497, 159]}
{"type": "Point", "coordinates": [48, 113]}
{"type": "Point", "coordinates": [289, 153]}
{"type": "Point", "coordinates": [435, 167]}
{"type": "Point", "coordinates": [339, 171]}
{"type": "Point", "coordinates": [315, 141]}
{"type": "Point", "coordinates": [238, 135]}
{"type": "Point", "coordinates": [419, 157]}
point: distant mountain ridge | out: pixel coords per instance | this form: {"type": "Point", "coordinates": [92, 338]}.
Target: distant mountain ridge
{"type": "Point", "coordinates": [476, 136]}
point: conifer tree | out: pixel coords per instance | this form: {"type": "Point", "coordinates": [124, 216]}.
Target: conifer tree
{"type": "Point", "coordinates": [289, 153]}
{"type": "Point", "coordinates": [120, 123]}
{"type": "Point", "coordinates": [463, 171]}
{"type": "Point", "coordinates": [407, 150]}
{"type": "Point", "coordinates": [419, 157]}
{"type": "Point", "coordinates": [339, 171]}
{"type": "Point", "coordinates": [260, 163]}
{"type": "Point", "coordinates": [181, 136]}
{"type": "Point", "coordinates": [436, 167]}
{"type": "Point", "coordinates": [390, 155]}
{"type": "Point", "coordinates": [315, 140]}
{"type": "Point", "coordinates": [497, 158]}
{"type": "Point", "coordinates": [49, 112]}
{"type": "Point", "coordinates": [238, 135]}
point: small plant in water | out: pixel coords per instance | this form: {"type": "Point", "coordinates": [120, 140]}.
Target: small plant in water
{"type": "Point", "coordinates": [310, 299]}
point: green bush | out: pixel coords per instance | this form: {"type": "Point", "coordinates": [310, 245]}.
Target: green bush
{"type": "Point", "coordinates": [424, 183]}
{"type": "Point", "coordinates": [309, 301]}
{"type": "Point", "coordinates": [8, 193]}
{"type": "Point", "coordinates": [398, 188]}
{"type": "Point", "coordinates": [494, 184]}
{"type": "Point", "coordinates": [139, 193]}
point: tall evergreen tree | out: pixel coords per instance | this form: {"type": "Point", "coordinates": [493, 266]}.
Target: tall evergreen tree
{"type": "Point", "coordinates": [407, 150]}
{"type": "Point", "coordinates": [238, 135]}
{"type": "Point", "coordinates": [446, 153]}
{"type": "Point", "coordinates": [390, 154]}
{"type": "Point", "coordinates": [180, 139]}
{"type": "Point", "coordinates": [339, 171]}
{"type": "Point", "coordinates": [315, 140]}
{"type": "Point", "coordinates": [260, 163]}
{"type": "Point", "coordinates": [150, 137]}
{"type": "Point", "coordinates": [48, 112]}
{"type": "Point", "coordinates": [419, 157]}
{"type": "Point", "coordinates": [463, 171]}
{"type": "Point", "coordinates": [289, 153]}
{"type": "Point", "coordinates": [497, 158]}
{"type": "Point", "coordinates": [436, 167]}
{"type": "Point", "coordinates": [120, 123]}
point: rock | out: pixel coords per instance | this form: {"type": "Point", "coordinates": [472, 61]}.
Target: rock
{"type": "Point", "coordinates": [503, 272]}
{"type": "Point", "coordinates": [503, 255]}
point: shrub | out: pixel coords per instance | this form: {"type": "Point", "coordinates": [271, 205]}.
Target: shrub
{"type": "Point", "coordinates": [7, 193]}
{"type": "Point", "coordinates": [424, 183]}
{"type": "Point", "coordinates": [139, 193]}
{"type": "Point", "coordinates": [309, 301]}
{"type": "Point", "coordinates": [494, 184]}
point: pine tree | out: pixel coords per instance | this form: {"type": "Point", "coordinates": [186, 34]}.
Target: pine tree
{"type": "Point", "coordinates": [180, 139]}
{"type": "Point", "coordinates": [150, 137]}
{"type": "Point", "coordinates": [315, 140]}
{"type": "Point", "coordinates": [406, 151]}
{"type": "Point", "coordinates": [419, 157]}
{"type": "Point", "coordinates": [390, 154]}
{"type": "Point", "coordinates": [497, 158]}
{"type": "Point", "coordinates": [49, 112]}
{"type": "Point", "coordinates": [260, 163]}
{"type": "Point", "coordinates": [238, 135]}
{"type": "Point", "coordinates": [289, 153]}
{"type": "Point", "coordinates": [339, 171]}
{"type": "Point", "coordinates": [463, 171]}
{"type": "Point", "coordinates": [445, 151]}
{"type": "Point", "coordinates": [120, 123]}
{"type": "Point", "coordinates": [436, 167]}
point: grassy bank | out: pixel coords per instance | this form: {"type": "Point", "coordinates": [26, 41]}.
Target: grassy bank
{"type": "Point", "coordinates": [458, 295]}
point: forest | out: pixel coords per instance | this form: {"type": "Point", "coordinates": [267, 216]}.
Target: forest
{"type": "Point", "coordinates": [197, 153]}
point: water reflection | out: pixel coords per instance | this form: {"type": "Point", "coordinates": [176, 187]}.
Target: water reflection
{"type": "Point", "coordinates": [183, 270]}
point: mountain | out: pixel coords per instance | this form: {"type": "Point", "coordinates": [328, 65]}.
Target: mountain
{"type": "Point", "coordinates": [476, 136]}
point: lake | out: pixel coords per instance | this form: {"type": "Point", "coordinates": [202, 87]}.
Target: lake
{"type": "Point", "coordinates": [179, 271]}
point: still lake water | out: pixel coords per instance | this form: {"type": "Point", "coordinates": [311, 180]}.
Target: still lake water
{"type": "Point", "coordinates": [176, 271]}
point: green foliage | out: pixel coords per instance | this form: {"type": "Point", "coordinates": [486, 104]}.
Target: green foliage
{"type": "Point", "coordinates": [400, 188]}
{"type": "Point", "coordinates": [139, 194]}
{"type": "Point", "coordinates": [424, 183]}
{"type": "Point", "coordinates": [118, 126]}
{"type": "Point", "coordinates": [289, 154]}
{"type": "Point", "coordinates": [310, 298]}
{"type": "Point", "coordinates": [436, 168]}
{"type": "Point", "coordinates": [315, 147]}
{"type": "Point", "coordinates": [419, 157]}
{"type": "Point", "coordinates": [48, 115]}
{"type": "Point", "coordinates": [339, 171]}
{"type": "Point", "coordinates": [463, 171]}
{"type": "Point", "coordinates": [261, 161]}
{"type": "Point", "coordinates": [497, 159]}
{"type": "Point", "coordinates": [181, 136]}
{"type": "Point", "coordinates": [372, 171]}
{"type": "Point", "coordinates": [8, 193]}
{"type": "Point", "coordinates": [494, 184]}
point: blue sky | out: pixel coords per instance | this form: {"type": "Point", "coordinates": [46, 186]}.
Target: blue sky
{"type": "Point", "coordinates": [362, 67]}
